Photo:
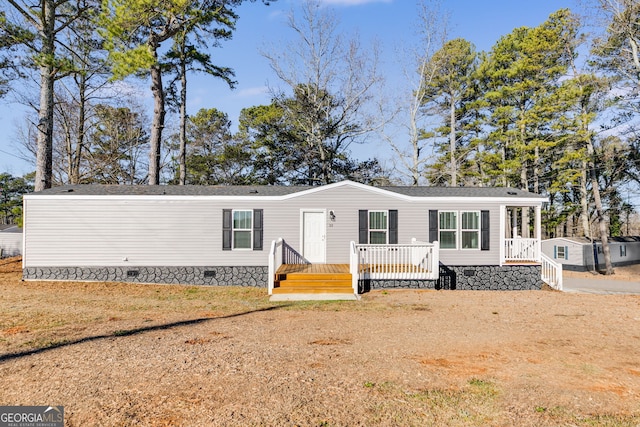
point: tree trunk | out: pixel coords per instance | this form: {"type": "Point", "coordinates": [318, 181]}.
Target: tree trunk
{"type": "Point", "coordinates": [602, 225]}
{"type": "Point", "coordinates": [157, 123]}
{"type": "Point", "coordinates": [584, 204]}
{"type": "Point", "coordinates": [536, 171]}
{"type": "Point", "coordinates": [183, 124]}
{"type": "Point", "coordinates": [452, 143]}
{"type": "Point", "coordinates": [75, 170]}
{"type": "Point", "coordinates": [44, 153]}
{"type": "Point", "coordinates": [326, 168]}
{"type": "Point", "coordinates": [525, 211]}
{"type": "Point", "coordinates": [503, 154]}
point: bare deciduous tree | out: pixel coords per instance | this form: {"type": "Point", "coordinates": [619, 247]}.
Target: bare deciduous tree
{"type": "Point", "coordinates": [411, 160]}
{"type": "Point", "coordinates": [334, 82]}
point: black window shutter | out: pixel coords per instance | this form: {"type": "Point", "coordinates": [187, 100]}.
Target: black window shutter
{"type": "Point", "coordinates": [257, 230]}
{"type": "Point", "coordinates": [226, 229]}
{"type": "Point", "coordinates": [363, 227]}
{"type": "Point", "coordinates": [485, 236]}
{"type": "Point", "coordinates": [433, 226]}
{"type": "Point", "coordinates": [393, 227]}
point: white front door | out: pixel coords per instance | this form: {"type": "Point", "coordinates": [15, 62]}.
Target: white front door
{"type": "Point", "coordinates": [313, 236]}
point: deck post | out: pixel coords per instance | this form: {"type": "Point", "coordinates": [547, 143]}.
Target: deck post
{"type": "Point", "coordinates": [353, 266]}
{"type": "Point", "coordinates": [274, 262]}
{"type": "Point", "coordinates": [539, 232]}
{"type": "Point", "coordinates": [271, 270]}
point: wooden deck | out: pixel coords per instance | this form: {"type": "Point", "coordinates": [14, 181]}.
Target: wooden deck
{"type": "Point", "coordinates": [344, 268]}
{"type": "Point", "coordinates": [521, 263]}
{"type": "Point", "coordinates": [313, 269]}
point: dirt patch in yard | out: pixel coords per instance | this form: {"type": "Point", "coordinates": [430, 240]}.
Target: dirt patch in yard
{"type": "Point", "coordinates": [626, 273]}
{"type": "Point", "coordinates": [159, 355]}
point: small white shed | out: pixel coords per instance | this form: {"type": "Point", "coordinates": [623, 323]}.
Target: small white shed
{"type": "Point", "coordinates": [10, 241]}
{"type": "Point", "coordinates": [582, 254]}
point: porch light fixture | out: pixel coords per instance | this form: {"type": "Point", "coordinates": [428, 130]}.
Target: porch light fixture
{"type": "Point", "coordinates": [332, 215]}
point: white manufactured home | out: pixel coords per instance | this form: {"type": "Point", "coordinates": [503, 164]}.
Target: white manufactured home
{"type": "Point", "coordinates": [286, 237]}
{"type": "Point", "coordinates": [582, 254]}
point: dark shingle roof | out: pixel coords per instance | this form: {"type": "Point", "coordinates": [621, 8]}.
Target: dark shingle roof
{"type": "Point", "coordinates": [461, 192]}
{"type": "Point", "coordinates": [271, 190]}
{"type": "Point", "coordinates": [172, 190]}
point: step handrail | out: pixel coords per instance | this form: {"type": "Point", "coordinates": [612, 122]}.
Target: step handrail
{"type": "Point", "coordinates": [551, 272]}
{"type": "Point", "coordinates": [275, 262]}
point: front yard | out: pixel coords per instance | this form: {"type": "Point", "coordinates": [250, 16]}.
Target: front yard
{"type": "Point", "coordinates": [121, 354]}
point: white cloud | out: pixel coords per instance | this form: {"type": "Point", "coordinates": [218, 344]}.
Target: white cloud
{"type": "Point", "coordinates": [252, 91]}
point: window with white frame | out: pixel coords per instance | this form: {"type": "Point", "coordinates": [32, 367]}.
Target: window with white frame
{"type": "Point", "coordinates": [560, 252]}
{"type": "Point", "coordinates": [242, 229]}
{"type": "Point", "coordinates": [623, 250]}
{"type": "Point", "coordinates": [464, 230]}
{"type": "Point", "coordinates": [459, 229]}
{"type": "Point", "coordinates": [378, 227]}
{"type": "Point", "coordinates": [448, 229]}
{"type": "Point", "coordinates": [470, 230]}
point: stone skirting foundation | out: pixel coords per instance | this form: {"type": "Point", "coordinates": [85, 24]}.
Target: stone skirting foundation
{"type": "Point", "coordinates": [212, 276]}
{"type": "Point", "coordinates": [477, 277]}
{"type": "Point", "coordinates": [480, 277]}
{"type": "Point", "coordinates": [491, 277]}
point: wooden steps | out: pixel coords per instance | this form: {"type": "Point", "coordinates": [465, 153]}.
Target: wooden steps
{"type": "Point", "coordinates": [315, 281]}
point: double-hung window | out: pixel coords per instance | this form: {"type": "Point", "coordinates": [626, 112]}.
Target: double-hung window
{"type": "Point", "coordinates": [378, 227]}
{"type": "Point", "coordinates": [459, 230]}
{"type": "Point", "coordinates": [448, 226]}
{"type": "Point", "coordinates": [242, 229]}
{"type": "Point", "coordinates": [560, 252]}
{"type": "Point", "coordinates": [470, 230]}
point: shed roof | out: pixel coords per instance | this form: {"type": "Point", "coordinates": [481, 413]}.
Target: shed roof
{"type": "Point", "coordinates": [587, 241]}
{"type": "Point", "coordinates": [10, 228]}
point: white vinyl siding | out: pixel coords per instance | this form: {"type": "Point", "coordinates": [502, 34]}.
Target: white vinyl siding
{"type": "Point", "coordinates": [242, 229]}
{"type": "Point", "coordinates": [185, 231]}
{"type": "Point", "coordinates": [378, 227]}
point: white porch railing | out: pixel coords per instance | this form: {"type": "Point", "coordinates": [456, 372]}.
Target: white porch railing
{"type": "Point", "coordinates": [551, 272]}
{"type": "Point", "coordinates": [275, 261]}
{"type": "Point", "coordinates": [521, 250]}
{"type": "Point", "coordinates": [414, 261]}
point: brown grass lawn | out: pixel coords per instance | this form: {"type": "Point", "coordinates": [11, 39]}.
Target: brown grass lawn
{"type": "Point", "coordinates": [160, 355]}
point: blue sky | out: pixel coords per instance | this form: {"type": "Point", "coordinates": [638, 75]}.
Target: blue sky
{"type": "Point", "coordinates": [391, 22]}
